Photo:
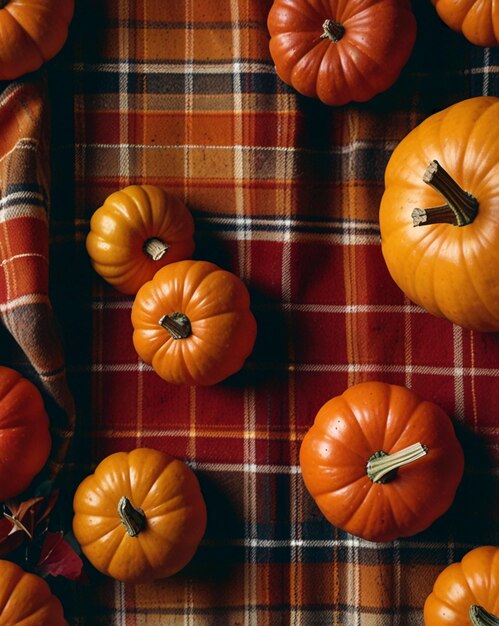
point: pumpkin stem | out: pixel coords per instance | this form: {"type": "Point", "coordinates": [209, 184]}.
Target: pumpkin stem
{"type": "Point", "coordinates": [133, 519]}
{"type": "Point", "coordinates": [177, 324]}
{"type": "Point", "coordinates": [381, 466]}
{"type": "Point", "coordinates": [332, 30]}
{"type": "Point", "coordinates": [480, 617]}
{"type": "Point", "coordinates": [154, 248]}
{"type": "Point", "coordinates": [461, 208]}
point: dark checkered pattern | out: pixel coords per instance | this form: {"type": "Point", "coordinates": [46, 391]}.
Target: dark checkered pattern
{"type": "Point", "coordinates": [285, 192]}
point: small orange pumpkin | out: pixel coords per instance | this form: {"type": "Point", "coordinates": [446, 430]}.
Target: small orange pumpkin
{"type": "Point", "coordinates": [25, 439]}
{"type": "Point", "coordinates": [138, 230]}
{"type": "Point", "coordinates": [466, 593]}
{"type": "Point", "coordinates": [27, 599]}
{"type": "Point", "coordinates": [477, 20]}
{"type": "Point", "coordinates": [380, 462]}
{"type": "Point", "coordinates": [31, 33]}
{"type": "Point", "coordinates": [193, 324]}
{"type": "Point", "coordinates": [140, 516]}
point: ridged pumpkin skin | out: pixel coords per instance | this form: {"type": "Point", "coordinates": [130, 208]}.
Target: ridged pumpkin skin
{"type": "Point", "coordinates": [168, 493]}
{"type": "Point", "coordinates": [369, 42]}
{"type": "Point", "coordinates": [25, 439]}
{"type": "Point", "coordinates": [477, 20]}
{"type": "Point", "coordinates": [472, 581]}
{"type": "Point", "coordinates": [27, 599]}
{"type": "Point", "coordinates": [31, 33]}
{"type": "Point", "coordinates": [222, 327]}
{"type": "Point", "coordinates": [451, 271]}
{"type": "Point", "coordinates": [125, 227]}
{"type": "Point", "coordinates": [365, 420]}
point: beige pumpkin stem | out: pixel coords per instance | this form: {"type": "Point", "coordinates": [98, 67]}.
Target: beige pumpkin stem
{"type": "Point", "coordinates": [332, 30]}
{"type": "Point", "coordinates": [134, 519]}
{"type": "Point", "coordinates": [177, 324]}
{"type": "Point", "coordinates": [155, 249]}
{"type": "Point", "coordinates": [480, 617]}
{"type": "Point", "coordinates": [381, 466]}
{"type": "Point", "coordinates": [461, 208]}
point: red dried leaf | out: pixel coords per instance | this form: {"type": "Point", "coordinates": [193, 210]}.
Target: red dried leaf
{"type": "Point", "coordinates": [59, 559]}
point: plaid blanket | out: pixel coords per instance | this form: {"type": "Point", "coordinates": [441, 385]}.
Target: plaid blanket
{"type": "Point", "coordinates": [285, 192]}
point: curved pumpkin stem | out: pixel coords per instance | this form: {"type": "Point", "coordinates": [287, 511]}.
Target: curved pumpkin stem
{"type": "Point", "coordinates": [480, 617]}
{"type": "Point", "coordinates": [134, 519]}
{"type": "Point", "coordinates": [332, 30]}
{"type": "Point", "coordinates": [177, 324]}
{"type": "Point", "coordinates": [155, 248]}
{"type": "Point", "coordinates": [461, 208]}
{"type": "Point", "coordinates": [381, 467]}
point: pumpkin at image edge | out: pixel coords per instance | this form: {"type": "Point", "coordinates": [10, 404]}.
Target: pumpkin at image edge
{"type": "Point", "coordinates": [466, 592]}
{"type": "Point", "coordinates": [439, 214]}
{"type": "Point", "coordinates": [140, 516]}
{"type": "Point", "coordinates": [31, 33]}
{"type": "Point", "coordinates": [341, 52]}
{"type": "Point", "coordinates": [477, 20]}
{"type": "Point", "coordinates": [27, 599]}
{"type": "Point", "coordinates": [381, 462]}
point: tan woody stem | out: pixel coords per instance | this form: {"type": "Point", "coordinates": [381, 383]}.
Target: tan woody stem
{"type": "Point", "coordinates": [480, 617]}
{"type": "Point", "coordinates": [381, 467]}
{"type": "Point", "coordinates": [155, 248]}
{"type": "Point", "coordinates": [461, 208]}
{"type": "Point", "coordinates": [133, 518]}
{"type": "Point", "coordinates": [177, 324]}
{"type": "Point", "coordinates": [332, 30]}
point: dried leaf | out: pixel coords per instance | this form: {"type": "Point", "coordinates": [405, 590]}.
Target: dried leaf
{"type": "Point", "coordinates": [59, 559]}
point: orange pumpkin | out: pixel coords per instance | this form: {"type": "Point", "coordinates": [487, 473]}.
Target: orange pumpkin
{"type": "Point", "coordinates": [380, 462]}
{"type": "Point", "coordinates": [466, 593]}
{"type": "Point", "coordinates": [31, 33]}
{"type": "Point", "coordinates": [26, 599]}
{"type": "Point", "coordinates": [340, 51]}
{"type": "Point", "coordinates": [193, 324]}
{"type": "Point", "coordinates": [24, 433]}
{"type": "Point", "coordinates": [138, 230]}
{"type": "Point", "coordinates": [140, 516]}
{"type": "Point", "coordinates": [477, 20]}
{"type": "Point", "coordinates": [439, 214]}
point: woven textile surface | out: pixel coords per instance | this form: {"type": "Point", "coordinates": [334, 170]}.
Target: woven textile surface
{"type": "Point", "coordinates": [285, 193]}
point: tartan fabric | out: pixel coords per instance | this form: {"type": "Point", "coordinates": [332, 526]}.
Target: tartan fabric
{"type": "Point", "coordinates": [285, 192]}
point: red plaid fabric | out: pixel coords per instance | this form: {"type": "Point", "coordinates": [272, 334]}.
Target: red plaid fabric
{"type": "Point", "coordinates": [285, 192]}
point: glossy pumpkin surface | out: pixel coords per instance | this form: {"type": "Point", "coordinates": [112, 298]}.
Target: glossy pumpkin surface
{"type": "Point", "coordinates": [193, 324]}
{"type": "Point", "coordinates": [450, 270]}
{"type": "Point", "coordinates": [25, 439]}
{"type": "Point", "coordinates": [472, 582]}
{"type": "Point", "coordinates": [31, 33]}
{"type": "Point", "coordinates": [340, 50]}
{"type": "Point", "coordinates": [355, 436]}
{"type": "Point", "coordinates": [138, 230]}
{"type": "Point", "coordinates": [477, 20]}
{"type": "Point", "coordinates": [26, 599]}
{"type": "Point", "coordinates": [140, 516]}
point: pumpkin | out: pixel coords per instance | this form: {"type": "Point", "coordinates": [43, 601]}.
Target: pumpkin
{"type": "Point", "coordinates": [27, 599]}
{"type": "Point", "coordinates": [140, 516]}
{"type": "Point", "coordinates": [340, 51]}
{"type": "Point", "coordinates": [477, 20]}
{"type": "Point", "coordinates": [25, 439]}
{"type": "Point", "coordinates": [193, 324]}
{"type": "Point", "coordinates": [138, 230]}
{"type": "Point", "coordinates": [31, 33]}
{"type": "Point", "coordinates": [466, 593]}
{"type": "Point", "coordinates": [380, 462]}
{"type": "Point", "coordinates": [439, 214]}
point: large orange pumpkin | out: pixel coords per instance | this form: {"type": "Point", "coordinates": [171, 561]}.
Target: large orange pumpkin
{"type": "Point", "coordinates": [380, 462]}
{"type": "Point", "coordinates": [138, 230]}
{"type": "Point", "coordinates": [466, 593]}
{"type": "Point", "coordinates": [340, 50]}
{"type": "Point", "coordinates": [26, 599]}
{"type": "Point", "coordinates": [439, 215]}
{"type": "Point", "coordinates": [140, 516]}
{"type": "Point", "coordinates": [24, 433]}
{"type": "Point", "coordinates": [477, 20]}
{"type": "Point", "coordinates": [31, 33]}
{"type": "Point", "coordinates": [193, 324]}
